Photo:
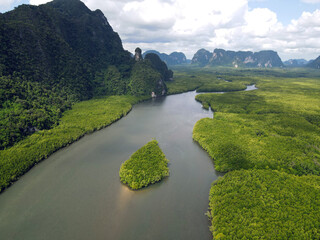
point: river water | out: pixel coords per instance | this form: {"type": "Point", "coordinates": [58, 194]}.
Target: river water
{"type": "Point", "coordinates": [76, 193]}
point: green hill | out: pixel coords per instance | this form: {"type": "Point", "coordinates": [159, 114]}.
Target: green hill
{"type": "Point", "coordinates": [56, 54]}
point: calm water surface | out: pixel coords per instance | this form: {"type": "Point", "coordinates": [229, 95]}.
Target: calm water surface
{"type": "Point", "coordinates": [76, 193]}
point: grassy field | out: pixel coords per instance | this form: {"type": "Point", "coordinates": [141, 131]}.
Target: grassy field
{"type": "Point", "coordinates": [85, 117]}
{"type": "Point", "coordinates": [268, 140]}
{"type": "Point", "coordinates": [146, 166]}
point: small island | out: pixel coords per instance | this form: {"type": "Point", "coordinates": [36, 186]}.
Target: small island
{"type": "Point", "coordinates": [146, 166]}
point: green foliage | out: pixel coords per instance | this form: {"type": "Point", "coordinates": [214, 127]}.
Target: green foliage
{"type": "Point", "coordinates": [85, 117]}
{"type": "Point", "coordinates": [265, 204]}
{"type": "Point", "coordinates": [276, 141]}
{"type": "Point", "coordinates": [146, 166]}
{"type": "Point", "coordinates": [159, 66]}
{"type": "Point", "coordinates": [61, 42]}
{"type": "Point", "coordinates": [144, 80]}
{"type": "Point", "coordinates": [26, 106]}
{"type": "Point", "coordinates": [110, 82]}
{"type": "Point", "coordinates": [55, 54]}
{"type": "Point", "coordinates": [264, 138]}
{"type": "Point", "coordinates": [276, 126]}
{"type": "Point", "coordinates": [208, 80]}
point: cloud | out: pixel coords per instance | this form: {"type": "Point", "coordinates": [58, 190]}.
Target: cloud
{"type": "Point", "coordinates": [38, 2]}
{"type": "Point", "coordinates": [180, 25]}
{"type": "Point", "coordinates": [6, 3]}
{"type": "Point", "coordinates": [171, 22]}
{"type": "Point", "coordinates": [310, 1]}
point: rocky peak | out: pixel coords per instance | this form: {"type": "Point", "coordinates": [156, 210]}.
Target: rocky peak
{"type": "Point", "coordinates": [202, 57]}
{"type": "Point", "coordinates": [160, 66]}
{"type": "Point", "coordinates": [175, 58]}
{"type": "Point", "coordinates": [314, 63]}
{"type": "Point", "coordinates": [221, 57]}
{"type": "Point", "coordinates": [138, 56]}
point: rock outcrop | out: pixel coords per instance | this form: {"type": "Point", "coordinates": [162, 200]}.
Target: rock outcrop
{"type": "Point", "coordinates": [202, 57]}
{"type": "Point", "coordinates": [160, 66]}
{"type": "Point", "coordinates": [175, 58]}
{"type": "Point", "coordinates": [221, 57]}
{"type": "Point", "coordinates": [148, 75]}
{"type": "Point", "coordinates": [138, 56]}
{"type": "Point", "coordinates": [314, 64]}
{"type": "Point", "coordinates": [295, 63]}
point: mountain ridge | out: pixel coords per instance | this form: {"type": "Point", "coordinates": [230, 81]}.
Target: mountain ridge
{"type": "Point", "coordinates": [56, 54]}
{"type": "Point", "coordinates": [221, 57]}
{"type": "Point", "coordinates": [174, 58]}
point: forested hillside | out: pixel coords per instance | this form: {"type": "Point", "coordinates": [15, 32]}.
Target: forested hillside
{"type": "Point", "coordinates": [55, 54]}
{"type": "Point", "coordinates": [61, 43]}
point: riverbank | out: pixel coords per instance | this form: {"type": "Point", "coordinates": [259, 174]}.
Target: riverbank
{"type": "Point", "coordinates": [276, 130]}
{"type": "Point", "coordinates": [85, 117]}
{"type": "Point", "coordinates": [76, 193]}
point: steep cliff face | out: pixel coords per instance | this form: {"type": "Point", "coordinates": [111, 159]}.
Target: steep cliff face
{"type": "Point", "coordinates": [267, 59]}
{"type": "Point", "coordinates": [61, 42]}
{"type": "Point", "coordinates": [221, 57]}
{"type": "Point", "coordinates": [314, 64]}
{"type": "Point", "coordinates": [147, 76]}
{"type": "Point", "coordinates": [160, 66]}
{"type": "Point", "coordinates": [295, 63]}
{"type": "Point", "coordinates": [202, 57]}
{"type": "Point", "coordinates": [175, 58]}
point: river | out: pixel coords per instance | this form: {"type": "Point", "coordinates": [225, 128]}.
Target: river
{"type": "Point", "coordinates": [76, 193]}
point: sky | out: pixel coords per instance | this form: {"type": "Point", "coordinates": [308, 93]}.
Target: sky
{"type": "Point", "coordinates": [290, 27]}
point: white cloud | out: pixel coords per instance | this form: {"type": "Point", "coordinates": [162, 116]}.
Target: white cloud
{"type": "Point", "coordinates": [260, 22]}
{"type": "Point", "coordinates": [310, 1]}
{"type": "Point", "coordinates": [38, 2]}
{"type": "Point", "coordinates": [7, 3]}
{"type": "Point", "coordinates": [180, 25]}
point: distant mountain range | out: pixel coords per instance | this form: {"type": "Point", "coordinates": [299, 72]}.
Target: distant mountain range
{"type": "Point", "coordinates": [314, 63]}
{"type": "Point", "coordinates": [175, 58]}
{"type": "Point", "coordinates": [221, 57]}
{"type": "Point", "coordinates": [296, 63]}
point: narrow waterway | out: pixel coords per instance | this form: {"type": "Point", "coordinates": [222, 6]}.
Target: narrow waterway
{"type": "Point", "coordinates": [76, 193]}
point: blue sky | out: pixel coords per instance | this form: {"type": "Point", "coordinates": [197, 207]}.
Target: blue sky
{"type": "Point", "coordinates": [286, 9]}
{"type": "Point", "coordinates": [290, 27]}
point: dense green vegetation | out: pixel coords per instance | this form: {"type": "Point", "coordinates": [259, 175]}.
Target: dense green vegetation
{"type": "Point", "coordinates": [146, 166]}
{"type": "Point", "coordinates": [274, 127]}
{"type": "Point", "coordinates": [61, 42]}
{"type": "Point", "coordinates": [159, 66]}
{"type": "Point", "coordinates": [29, 106]}
{"type": "Point", "coordinates": [51, 57]}
{"type": "Point", "coordinates": [110, 82]}
{"type": "Point", "coordinates": [277, 141]}
{"type": "Point", "coordinates": [48, 60]}
{"type": "Point", "coordinates": [59, 53]}
{"type": "Point", "coordinates": [192, 77]}
{"type": "Point", "coordinates": [85, 117]}
{"type": "Point", "coordinates": [265, 204]}
{"type": "Point", "coordinates": [145, 79]}
{"type": "Point", "coordinates": [268, 140]}
{"type": "Point", "coordinates": [207, 80]}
